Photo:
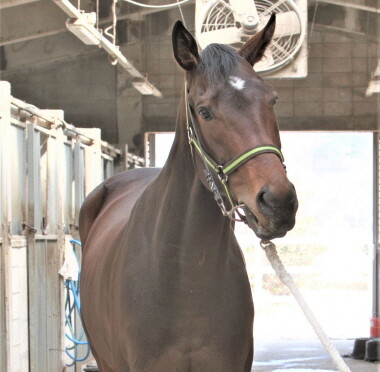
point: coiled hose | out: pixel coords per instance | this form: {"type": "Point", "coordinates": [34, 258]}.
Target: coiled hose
{"type": "Point", "coordinates": [72, 308]}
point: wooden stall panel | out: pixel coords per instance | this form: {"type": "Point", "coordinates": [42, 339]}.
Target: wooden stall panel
{"type": "Point", "coordinates": [18, 347]}
{"type": "Point", "coordinates": [79, 178]}
{"type": "Point", "coordinates": [46, 168]}
{"type": "Point", "coordinates": [36, 257]}
{"type": "Point", "coordinates": [54, 306]}
{"type": "Point", "coordinates": [3, 314]}
{"type": "Point", "coordinates": [67, 182]}
{"type": "Point", "coordinates": [93, 160]}
{"type": "Point", "coordinates": [37, 264]}
{"type": "Point", "coordinates": [18, 177]}
{"type": "Point", "coordinates": [108, 167]}
{"type": "Point", "coordinates": [5, 218]}
{"type": "Point", "coordinates": [46, 307]}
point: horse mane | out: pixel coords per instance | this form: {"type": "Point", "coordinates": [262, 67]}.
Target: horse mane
{"type": "Point", "coordinates": [217, 61]}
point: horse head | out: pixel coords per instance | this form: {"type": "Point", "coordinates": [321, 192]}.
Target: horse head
{"type": "Point", "coordinates": [233, 111]}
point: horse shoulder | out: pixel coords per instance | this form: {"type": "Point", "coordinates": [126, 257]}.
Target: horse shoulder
{"type": "Point", "coordinates": [119, 186]}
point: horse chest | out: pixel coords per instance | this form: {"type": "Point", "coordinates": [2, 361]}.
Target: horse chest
{"type": "Point", "coordinates": [191, 297]}
{"type": "Point", "coordinates": [182, 321]}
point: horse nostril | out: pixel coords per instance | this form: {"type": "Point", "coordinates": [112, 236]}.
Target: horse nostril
{"type": "Point", "coordinates": [262, 202]}
{"type": "Point", "coordinates": [271, 199]}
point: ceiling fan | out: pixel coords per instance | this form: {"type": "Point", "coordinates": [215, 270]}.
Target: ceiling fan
{"type": "Point", "coordinates": [233, 22]}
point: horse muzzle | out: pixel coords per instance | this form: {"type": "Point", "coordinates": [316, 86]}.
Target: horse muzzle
{"type": "Point", "coordinates": [272, 214]}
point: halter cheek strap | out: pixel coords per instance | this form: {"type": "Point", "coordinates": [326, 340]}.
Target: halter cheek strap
{"type": "Point", "coordinates": [222, 171]}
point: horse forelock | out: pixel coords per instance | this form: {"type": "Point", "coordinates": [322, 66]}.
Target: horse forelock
{"type": "Point", "coordinates": [217, 62]}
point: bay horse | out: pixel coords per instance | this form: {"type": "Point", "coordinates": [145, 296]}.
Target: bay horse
{"type": "Point", "coordinates": [164, 286]}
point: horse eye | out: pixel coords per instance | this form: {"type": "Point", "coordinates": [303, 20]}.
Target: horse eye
{"type": "Point", "coordinates": [204, 113]}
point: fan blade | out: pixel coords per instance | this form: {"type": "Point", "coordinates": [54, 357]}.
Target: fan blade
{"type": "Point", "coordinates": [229, 35]}
{"type": "Point", "coordinates": [287, 24]}
{"type": "Point", "coordinates": [245, 12]}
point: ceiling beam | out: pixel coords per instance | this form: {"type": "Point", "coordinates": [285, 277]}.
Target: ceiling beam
{"type": "Point", "coordinates": [10, 3]}
{"type": "Point", "coordinates": [140, 82]}
{"type": "Point", "coordinates": [48, 20]}
{"type": "Point", "coordinates": [30, 21]}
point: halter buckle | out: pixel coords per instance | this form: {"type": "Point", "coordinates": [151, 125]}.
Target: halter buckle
{"type": "Point", "coordinates": [221, 175]}
{"type": "Point", "coordinates": [190, 134]}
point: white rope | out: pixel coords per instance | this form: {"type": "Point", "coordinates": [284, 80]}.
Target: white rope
{"type": "Point", "coordinates": [313, 24]}
{"type": "Point", "coordinates": [180, 10]}
{"type": "Point", "coordinates": [107, 31]}
{"type": "Point", "coordinates": [112, 35]}
{"type": "Point", "coordinates": [275, 261]}
{"type": "Point", "coordinates": [97, 14]}
{"type": "Point", "coordinates": [157, 6]}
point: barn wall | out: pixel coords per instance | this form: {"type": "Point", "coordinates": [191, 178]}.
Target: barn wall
{"type": "Point", "coordinates": [332, 97]}
{"type": "Point", "coordinates": [60, 72]}
{"type": "Point", "coordinates": [49, 73]}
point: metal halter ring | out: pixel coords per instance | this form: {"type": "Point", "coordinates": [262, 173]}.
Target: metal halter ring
{"type": "Point", "coordinates": [221, 175]}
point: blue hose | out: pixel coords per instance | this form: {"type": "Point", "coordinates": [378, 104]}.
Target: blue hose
{"type": "Point", "coordinates": [72, 307]}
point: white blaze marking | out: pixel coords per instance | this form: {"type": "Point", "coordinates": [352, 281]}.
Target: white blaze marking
{"type": "Point", "coordinates": [237, 83]}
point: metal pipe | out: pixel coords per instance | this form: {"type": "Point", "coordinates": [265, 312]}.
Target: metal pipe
{"type": "Point", "coordinates": [31, 110]}
{"type": "Point", "coordinates": [132, 158]}
{"type": "Point", "coordinates": [49, 122]}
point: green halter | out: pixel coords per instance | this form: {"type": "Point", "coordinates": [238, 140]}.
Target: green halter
{"type": "Point", "coordinates": [222, 171]}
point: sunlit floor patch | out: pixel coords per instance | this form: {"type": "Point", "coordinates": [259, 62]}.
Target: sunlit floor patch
{"type": "Point", "coordinates": [304, 356]}
{"type": "Point", "coordinates": [287, 362]}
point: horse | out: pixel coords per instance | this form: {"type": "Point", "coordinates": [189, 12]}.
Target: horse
{"type": "Point", "coordinates": [164, 285]}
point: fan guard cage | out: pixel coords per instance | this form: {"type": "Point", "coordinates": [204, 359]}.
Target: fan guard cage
{"type": "Point", "coordinates": [217, 15]}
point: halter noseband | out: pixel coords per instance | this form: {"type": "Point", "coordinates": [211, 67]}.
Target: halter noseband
{"type": "Point", "coordinates": [222, 171]}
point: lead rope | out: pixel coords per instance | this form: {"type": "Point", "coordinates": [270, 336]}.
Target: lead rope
{"type": "Point", "coordinates": [285, 277]}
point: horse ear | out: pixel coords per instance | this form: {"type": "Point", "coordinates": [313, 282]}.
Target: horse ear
{"type": "Point", "coordinates": [184, 47]}
{"type": "Point", "coordinates": [254, 49]}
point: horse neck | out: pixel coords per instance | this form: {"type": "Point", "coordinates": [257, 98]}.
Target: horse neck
{"type": "Point", "coordinates": [189, 205]}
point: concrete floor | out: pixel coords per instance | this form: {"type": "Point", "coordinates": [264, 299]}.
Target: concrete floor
{"type": "Point", "coordinates": [304, 356]}
{"type": "Point", "coordinates": [299, 356]}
